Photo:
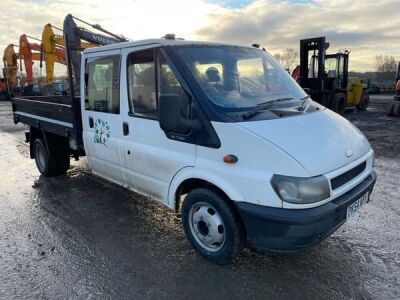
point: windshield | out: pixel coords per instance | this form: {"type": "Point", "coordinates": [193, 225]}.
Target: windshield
{"type": "Point", "coordinates": [238, 77]}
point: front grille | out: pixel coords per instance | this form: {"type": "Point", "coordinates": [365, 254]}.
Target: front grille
{"type": "Point", "coordinates": [347, 176]}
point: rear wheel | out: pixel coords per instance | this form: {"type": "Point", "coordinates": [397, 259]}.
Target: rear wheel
{"type": "Point", "coordinates": [54, 163]}
{"type": "Point", "coordinates": [46, 165]}
{"type": "Point", "coordinates": [212, 226]}
{"type": "Point", "coordinates": [364, 101]}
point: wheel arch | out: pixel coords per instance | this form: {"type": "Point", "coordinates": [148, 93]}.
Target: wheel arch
{"type": "Point", "coordinates": [187, 179]}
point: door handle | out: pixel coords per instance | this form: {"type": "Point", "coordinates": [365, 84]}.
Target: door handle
{"type": "Point", "coordinates": [125, 128]}
{"type": "Point", "coordinates": [91, 122]}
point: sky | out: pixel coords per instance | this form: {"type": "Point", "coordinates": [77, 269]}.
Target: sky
{"type": "Point", "coordinates": [368, 28]}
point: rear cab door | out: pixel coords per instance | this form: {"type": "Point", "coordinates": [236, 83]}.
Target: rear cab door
{"type": "Point", "coordinates": [101, 113]}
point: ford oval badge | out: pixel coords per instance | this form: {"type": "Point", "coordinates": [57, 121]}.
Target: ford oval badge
{"type": "Point", "coordinates": [349, 153]}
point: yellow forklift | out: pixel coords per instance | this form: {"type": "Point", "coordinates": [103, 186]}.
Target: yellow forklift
{"type": "Point", "coordinates": [325, 76]}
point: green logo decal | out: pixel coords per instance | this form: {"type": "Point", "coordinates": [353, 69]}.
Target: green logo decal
{"type": "Point", "coordinates": [101, 131]}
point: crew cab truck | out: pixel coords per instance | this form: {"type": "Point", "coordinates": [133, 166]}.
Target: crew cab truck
{"type": "Point", "coordinates": [220, 132]}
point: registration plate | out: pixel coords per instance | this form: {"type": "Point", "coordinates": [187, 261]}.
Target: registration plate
{"type": "Point", "coordinates": [351, 209]}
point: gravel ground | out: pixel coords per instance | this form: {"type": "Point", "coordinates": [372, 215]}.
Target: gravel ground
{"type": "Point", "coordinates": [77, 236]}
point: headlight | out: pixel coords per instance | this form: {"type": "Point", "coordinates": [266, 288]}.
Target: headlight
{"type": "Point", "coordinates": [301, 190]}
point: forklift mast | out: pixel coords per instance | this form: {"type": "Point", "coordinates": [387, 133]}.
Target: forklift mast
{"type": "Point", "coordinates": [323, 74]}
{"type": "Point", "coordinates": [318, 46]}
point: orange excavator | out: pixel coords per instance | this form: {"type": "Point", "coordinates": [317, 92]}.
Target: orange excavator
{"type": "Point", "coordinates": [26, 53]}
{"type": "Point", "coordinates": [393, 108]}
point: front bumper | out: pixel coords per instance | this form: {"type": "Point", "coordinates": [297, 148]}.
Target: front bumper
{"type": "Point", "coordinates": [283, 230]}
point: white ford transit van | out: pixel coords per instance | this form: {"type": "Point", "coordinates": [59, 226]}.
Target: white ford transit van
{"type": "Point", "coordinates": [220, 132]}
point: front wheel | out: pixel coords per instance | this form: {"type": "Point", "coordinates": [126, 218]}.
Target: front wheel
{"type": "Point", "coordinates": [338, 103]}
{"type": "Point", "coordinates": [212, 226]}
{"type": "Point", "coordinates": [364, 101]}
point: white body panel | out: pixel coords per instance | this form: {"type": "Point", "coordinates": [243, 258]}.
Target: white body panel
{"type": "Point", "coordinates": [148, 162]}
{"type": "Point", "coordinates": [318, 141]}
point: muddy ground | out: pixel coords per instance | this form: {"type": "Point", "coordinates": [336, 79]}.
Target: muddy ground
{"type": "Point", "coordinates": [77, 236]}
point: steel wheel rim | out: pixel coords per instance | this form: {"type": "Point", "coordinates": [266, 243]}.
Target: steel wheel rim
{"type": "Point", "coordinates": [207, 227]}
{"type": "Point", "coordinates": [40, 157]}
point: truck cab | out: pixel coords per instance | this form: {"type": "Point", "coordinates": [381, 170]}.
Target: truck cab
{"type": "Point", "coordinates": [219, 132]}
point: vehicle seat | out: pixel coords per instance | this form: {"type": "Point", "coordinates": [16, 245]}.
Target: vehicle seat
{"type": "Point", "coordinates": [143, 91]}
{"type": "Point", "coordinates": [331, 74]}
{"type": "Point", "coordinates": [212, 75]}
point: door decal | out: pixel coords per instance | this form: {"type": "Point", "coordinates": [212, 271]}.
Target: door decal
{"type": "Point", "coordinates": [102, 132]}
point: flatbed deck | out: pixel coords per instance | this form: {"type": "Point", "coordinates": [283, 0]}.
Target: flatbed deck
{"type": "Point", "coordinates": [59, 115]}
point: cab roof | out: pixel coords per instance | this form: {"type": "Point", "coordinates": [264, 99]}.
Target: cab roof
{"type": "Point", "coordinates": [157, 42]}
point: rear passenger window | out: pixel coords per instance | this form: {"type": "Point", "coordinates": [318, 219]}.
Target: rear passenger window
{"type": "Point", "coordinates": [142, 83]}
{"type": "Point", "coordinates": [102, 84]}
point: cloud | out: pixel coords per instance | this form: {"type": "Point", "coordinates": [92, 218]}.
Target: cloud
{"type": "Point", "coordinates": [367, 28]}
{"type": "Point", "coordinates": [137, 19]}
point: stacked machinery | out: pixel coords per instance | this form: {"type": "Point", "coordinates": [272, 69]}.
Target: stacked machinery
{"type": "Point", "coordinates": [54, 48]}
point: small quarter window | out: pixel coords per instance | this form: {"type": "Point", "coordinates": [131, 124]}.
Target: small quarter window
{"type": "Point", "coordinates": [102, 84]}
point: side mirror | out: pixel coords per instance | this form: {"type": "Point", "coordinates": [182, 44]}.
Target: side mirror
{"type": "Point", "coordinates": [170, 111]}
{"type": "Point", "coordinates": [307, 90]}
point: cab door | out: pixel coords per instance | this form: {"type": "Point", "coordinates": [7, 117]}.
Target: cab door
{"type": "Point", "coordinates": [101, 116]}
{"type": "Point", "coordinates": [150, 158]}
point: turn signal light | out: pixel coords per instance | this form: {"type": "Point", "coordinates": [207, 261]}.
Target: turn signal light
{"type": "Point", "coordinates": [230, 159]}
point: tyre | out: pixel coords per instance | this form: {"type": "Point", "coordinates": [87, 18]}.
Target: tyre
{"type": "Point", "coordinates": [46, 164]}
{"type": "Point", "coordinates": [212, 226]}
{"type": "Point", "coordinates": [389, 109]}
{"type": "Point", "coordinates": [338, 103]}
{"type": "Point", "coordinates": [396, 109]}
{"type": "Point", "coordinates": [54, 163]}
{"type": "Point", "coordinates": [364, 101]}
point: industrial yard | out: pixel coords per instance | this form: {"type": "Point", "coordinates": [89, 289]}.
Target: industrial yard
{"type": "Point", "coordinates": [78, 236]}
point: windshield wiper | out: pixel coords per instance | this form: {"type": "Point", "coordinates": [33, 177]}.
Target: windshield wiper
{"type": "Point", "coordinates": [263, 106]}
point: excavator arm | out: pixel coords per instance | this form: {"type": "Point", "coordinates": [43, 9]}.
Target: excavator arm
{"type": "Point", "coordinates": [25, 53]}
{"type": "Point", "coordinates": [74, 35]}
{"type": "Point", "coordinates": [10, 60]}
{"type": "Point", "coordinates": [49, 55]}
{"type": "Point", "coordinates": [53, 46]}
